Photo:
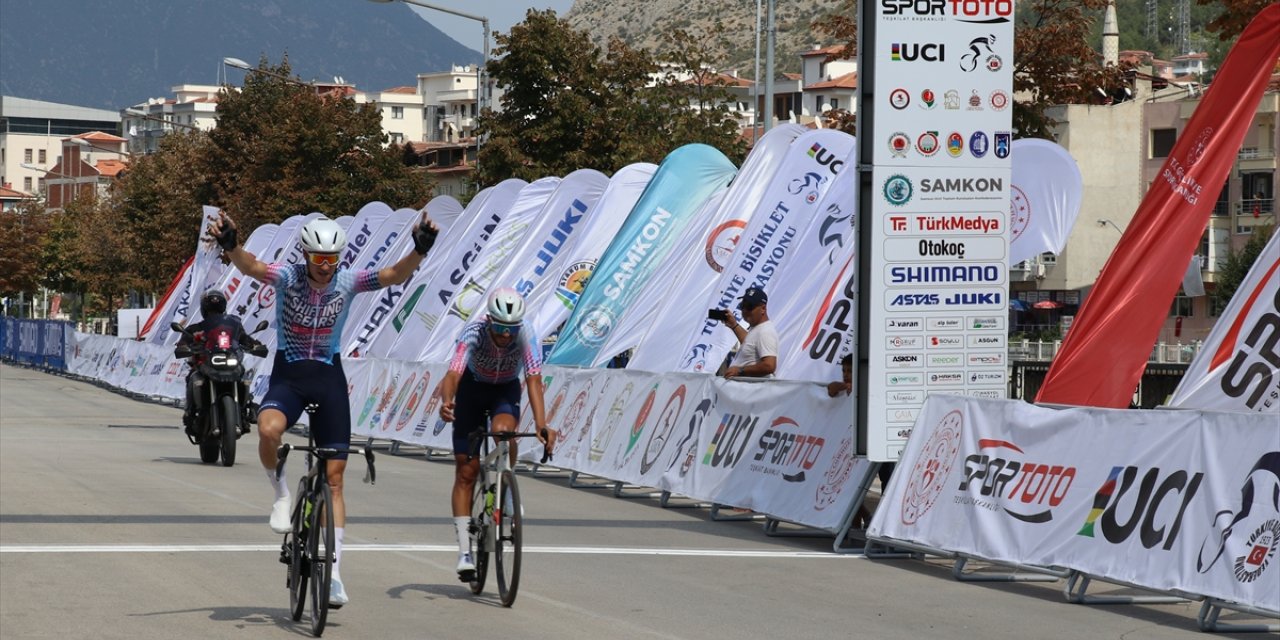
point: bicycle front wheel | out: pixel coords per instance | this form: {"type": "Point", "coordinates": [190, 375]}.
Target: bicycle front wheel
{"type": "Point", "coordinates": [299, 568]}
{"type": "Point", "coordinates": [321, 548]}
{"type": "Point", "coordinates": [509, 527]}
{"type": "Point", "coordinates": [481, 515]}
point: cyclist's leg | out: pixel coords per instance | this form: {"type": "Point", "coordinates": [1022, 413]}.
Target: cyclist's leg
{"type": "Point", "coordinates": [506, 411]}
{"type": "Point", "coordinates": [331, 427]}
{"type": "Point", "coordinates": [469, 416]}
{"type": "Point", "coordinates": [280, 407]}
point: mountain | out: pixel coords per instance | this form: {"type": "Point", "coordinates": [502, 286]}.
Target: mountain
{"type": "Point", "coordinates": [111, 54]}
{"type": "Point", "coordinates": [643, 23]}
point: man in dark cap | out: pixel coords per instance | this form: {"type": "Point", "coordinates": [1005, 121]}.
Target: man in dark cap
{"type": "Point", "coordinates": [757, 356]}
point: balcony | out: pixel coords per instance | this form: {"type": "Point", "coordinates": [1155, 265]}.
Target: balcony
{"type": "Point", "coordinates": [1256, 159]}
{"type": "Point", "coordinates": [460, 95]}
{"type": "Point", "coordinates": [1253, 213]}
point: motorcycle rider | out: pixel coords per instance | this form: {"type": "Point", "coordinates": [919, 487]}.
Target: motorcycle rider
{"type": "Point", "coordinates": [213, 312]}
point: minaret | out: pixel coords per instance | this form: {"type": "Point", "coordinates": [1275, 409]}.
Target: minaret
{"type": "Point", "coordinates": [1110, 37]}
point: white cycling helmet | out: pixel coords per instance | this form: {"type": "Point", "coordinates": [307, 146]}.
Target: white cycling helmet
{"type": "Point", "coordinates": [506, 306]}
{"type": "Point", "coordinates": [323, 235]}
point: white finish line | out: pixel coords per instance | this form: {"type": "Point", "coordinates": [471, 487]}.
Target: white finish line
{"type": "Point", "coordinates": [441, 548]}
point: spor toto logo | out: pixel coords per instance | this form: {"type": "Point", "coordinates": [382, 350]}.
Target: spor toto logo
{"type": "Point", "coordinates": [1027, 491]}
{"type": "Point", "coordinates": [930, 473]}
{"type": "Point", "coordinates": [721, 243]}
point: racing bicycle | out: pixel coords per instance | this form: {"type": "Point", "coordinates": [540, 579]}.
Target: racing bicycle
{"type": "Point", "coordinates": [308, 548]}
{"type": "Point", "coordinates": [497, 523]}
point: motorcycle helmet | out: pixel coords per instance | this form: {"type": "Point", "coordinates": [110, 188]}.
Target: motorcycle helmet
{"type": "Point", "coordinates": [212, 302]}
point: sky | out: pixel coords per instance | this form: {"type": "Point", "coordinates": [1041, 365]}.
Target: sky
{"type": "Point", "coordinates": [501, 14]}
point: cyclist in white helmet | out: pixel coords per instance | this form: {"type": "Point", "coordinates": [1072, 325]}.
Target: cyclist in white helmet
{"type": "Point", "coordinates": [312, 300]}
{"type": "Point", "coordinates": [484, 378]}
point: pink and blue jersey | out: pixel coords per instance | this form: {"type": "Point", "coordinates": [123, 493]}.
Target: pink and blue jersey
{"type": "Point", "coordinates": [476, 351]}
{"type": "Point", "coordinates": [309, 320]}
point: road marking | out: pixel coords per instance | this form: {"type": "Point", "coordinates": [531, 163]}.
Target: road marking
{"type": "Point", "coordinates": [441, 548]}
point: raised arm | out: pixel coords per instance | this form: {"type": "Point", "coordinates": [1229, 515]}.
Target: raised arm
{"type": "Point", "coordinates": [424, 237]}
{"type": "Point", "coordinates": [223, 231]}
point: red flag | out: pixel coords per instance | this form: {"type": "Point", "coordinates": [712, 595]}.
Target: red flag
{"type": "Point", "coordinates": [146, 327]}
{"type": "Point", "coordinates": [1102, 358]}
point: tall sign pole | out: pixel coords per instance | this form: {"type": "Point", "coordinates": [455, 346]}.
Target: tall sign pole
{"type": "Point", "coordinates": [935, 124]}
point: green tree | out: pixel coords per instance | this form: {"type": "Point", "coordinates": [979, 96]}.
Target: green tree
{"type": "Point", "coordinates": [281, 149]}
{"type": "Point", "coordinates": [1235, 266]}
{"type": "Point", "coordinates": [23, 232]}
{"type": "Point", "coordinates": [100, 254]}
{"type": "Point", "coordinates": [568, 104]}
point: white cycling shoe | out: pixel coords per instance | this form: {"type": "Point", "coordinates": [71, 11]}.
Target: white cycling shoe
{"type": "Point", "coordinates": [280, 517]}
{"type": "Point", "coordinates": [337, 593]}
{"type": "Point", "coordinates": [466, 568]}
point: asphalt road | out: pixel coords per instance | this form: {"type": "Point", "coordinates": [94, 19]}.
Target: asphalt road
{"type": "Point", "coordinates": [110, 527]}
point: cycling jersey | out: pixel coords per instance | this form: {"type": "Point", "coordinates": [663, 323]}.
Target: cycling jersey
{"type": "Point", "coordinates": [309, 320]}
{"type": "Point", "coordinates": [476, 352]}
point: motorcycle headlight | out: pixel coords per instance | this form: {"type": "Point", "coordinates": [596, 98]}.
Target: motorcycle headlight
{"type": "Point", "coordinates": [232, 361]}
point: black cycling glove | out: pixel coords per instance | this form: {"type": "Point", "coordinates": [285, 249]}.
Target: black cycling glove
{"type": "Point", "coordinates": [424, 237]}
{"type": "Point", "coordinates": [227, 239]}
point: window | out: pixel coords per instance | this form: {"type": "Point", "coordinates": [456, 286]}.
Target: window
{"type": "Point", "coordinates": [1216, 306]}
{"type": "Point", "coordinates": [26, 184]}
{"type": "Point", "coordinates": [1048, 259]}
{"type": "Point", "coordinates": [1181, 307]}
{"type": "Point", "coordinates": [26, 156]}
{"type": "Point", "coordinates": [835, 103]}
{"type": "Point", "coordinates": [397, 138]}
{"type": "Point", "coordinates": [43, 157]}
{"type": "Point", "coordinates": [397, 113]}
{"type": "Point", "coordinates": [1162, 142]}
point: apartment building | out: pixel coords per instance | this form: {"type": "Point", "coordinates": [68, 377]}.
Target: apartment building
{"type": "Point", "coordinates": [827, 84]}
{"type": "Point", "coordinates": [32, 134]}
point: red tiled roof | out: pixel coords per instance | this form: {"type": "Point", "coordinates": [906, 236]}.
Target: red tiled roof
{"type": "Point", "coordinates": [408, 90]}
{"type": "Point", "coordinates": [835, 49]}
{"type": "Point", "coordinates": [14, 194]}
{"type": "Point", "coordinates": [110, 168]}
{"type": "Point", "coordinates": [793, 76]}
{"type": "Point", "coordinates": [846, 81]}
{"type": "Point", "coordinates": [98, 136]}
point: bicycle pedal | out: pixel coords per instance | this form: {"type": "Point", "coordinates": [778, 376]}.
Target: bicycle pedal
{"type": "Point", "coordinates": [467, 576]}
{"type": "Point", "coordinates": [286, 553]}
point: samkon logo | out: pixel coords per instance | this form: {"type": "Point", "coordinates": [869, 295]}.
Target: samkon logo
{"type": "Point", "coordinates": [999, 478]}
{"type": "Point", "coordinates": [910, 52]}
{"type": "Point", "coordinates": [898, 190]}
{"type": "Point", "coordinates": [961, 185]}
{"type": "Point", "coordinates": [971, 11]}
{"type": "Point", "coordinates": [783, 450]}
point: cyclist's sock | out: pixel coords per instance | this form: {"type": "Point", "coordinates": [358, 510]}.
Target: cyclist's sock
{"type": "Point", "coordinates": [281, 484]}
{"type": "Point", "coordinates": [337, 548]}
{"type": "Point", "coordinates": [460, 525]}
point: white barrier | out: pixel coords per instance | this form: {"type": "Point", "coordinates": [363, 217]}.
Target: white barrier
{"type": "Point", "coordinates": [1182, 502]}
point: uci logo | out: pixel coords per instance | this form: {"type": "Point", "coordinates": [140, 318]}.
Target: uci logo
{"type": "Point", "coordinates": [907, 52]}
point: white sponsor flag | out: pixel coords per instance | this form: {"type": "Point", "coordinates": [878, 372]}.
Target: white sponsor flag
{"type": "Point", "coordinates": [254, 301]}
{"type": "Point", "coordinates": [361, 228]}
{"type": "Point", "coordinates": [816, 303]}
{"type": "Point", "coordinates": [431, 289]}
{"type": "Point", "coordinates": [565, 217]}
{"type": "Point", "coordinates": [207, 264]}
{"type": "Point", "coordinates": [810, 165]}
{"type": "Point", "coordinates": [369, 311]}
{"type": "Point", "coordinates": [1238, 368]}
{"type": "Point", "coordinates": [525, 215]}
{"type": "Point", "coordinates": [160, 330]}
{"type": "Point", "coordinates": [444, 210]}
{"type": "Point", "coordinates": [227, 282]}
{"type": "Point", "coordinates": [1046, 197]}
{"type": "Point", "coordinates": [553, 299]}
{"type": "Point", "coordinates": [692, 265]}
{"type": "Point", "coordinates": [681, 316]}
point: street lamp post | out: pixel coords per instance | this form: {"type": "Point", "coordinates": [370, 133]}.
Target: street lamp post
{"type": "Point", "coordinates": [241, 64]}
{"type": "Point", "coordinates": [481, 88]}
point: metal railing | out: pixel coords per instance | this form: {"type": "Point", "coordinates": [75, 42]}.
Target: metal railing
{"type": "Point", "coordinates": [1163, 353]}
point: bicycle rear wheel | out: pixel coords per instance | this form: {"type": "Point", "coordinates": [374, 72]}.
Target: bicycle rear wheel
{"type": "Point", "coordinates": [299, 568]}
{"type": "Point", "coordinates": [509, 540]}
{"type": "Point", "coordinates": [320, 546]}
{"type": "Point", "coordinates": [481, 514]}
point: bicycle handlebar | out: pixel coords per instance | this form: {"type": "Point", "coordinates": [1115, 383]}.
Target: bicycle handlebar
{"type": "Point", "coordinates": [325, 453]}
{"type": "Point", "coordinates": [476, 436]}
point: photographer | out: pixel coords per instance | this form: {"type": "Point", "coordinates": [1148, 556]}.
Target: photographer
{"type": "Point", "coordinates": [758, 355]}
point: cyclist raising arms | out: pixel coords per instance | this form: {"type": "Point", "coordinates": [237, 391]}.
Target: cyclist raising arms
{"type": "Point", "coordinates": [312, 300]}
{"type": "Point", "coordinates": [484, 378]}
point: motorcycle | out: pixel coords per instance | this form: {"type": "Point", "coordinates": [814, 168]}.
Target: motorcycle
{"type": "Point", "coordinates": [223, 402]}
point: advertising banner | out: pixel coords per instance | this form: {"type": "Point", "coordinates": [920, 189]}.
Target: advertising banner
{"type": "Point", "coordinates": [937, 289]}
{"type": "Point", "coordinates": [444, 210]}
{"type": "Point", "coordinates": [1238, 368]}
{"type": "Point", "coordinates": [371, 310]}
{"type": "Point", "coordinates": [444, 270]}
{"type": "Point", "coordinates": [553, 300]}
{"type": "Point", "coordinates": [1170, 500]}
{"type": "Point", "coordinates": [686, 178]}
{"type": "Point", "coordinates": [1103, 357]}
{"type": "Point", "coordinates": [1047, 192]}
{"type": "Point", "coordinates": [525, 215]}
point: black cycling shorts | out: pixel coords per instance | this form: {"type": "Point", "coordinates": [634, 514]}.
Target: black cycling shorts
{"type": "Point", "coordinates": [294, 385]}
{"type": "Point", "coordinates": [475, 401]}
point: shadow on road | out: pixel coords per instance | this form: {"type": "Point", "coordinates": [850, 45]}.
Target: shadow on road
{"type": "Point", "coordinates": [247, 617]}
{"type": "Point", "coordinates": [443, 591]}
